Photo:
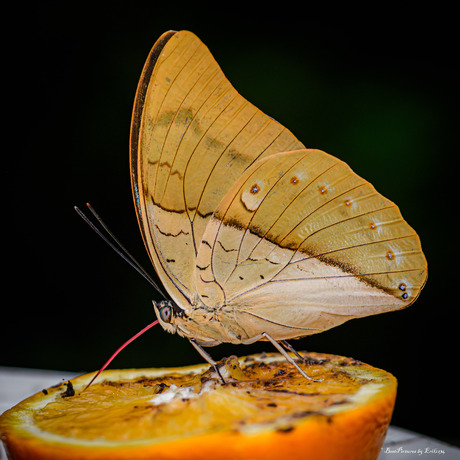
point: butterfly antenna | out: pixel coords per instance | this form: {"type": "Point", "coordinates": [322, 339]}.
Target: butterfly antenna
{"type": "Point", "coordinates": [120, 250]}
{"type": "Point", "coordinates": [134, 337]}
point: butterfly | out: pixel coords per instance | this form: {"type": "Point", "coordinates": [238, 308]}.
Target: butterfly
{"type": "Point", "coordinates": [253, 235]}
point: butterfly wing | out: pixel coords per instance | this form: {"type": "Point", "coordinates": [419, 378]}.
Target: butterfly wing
{"type": "Point", "coordinates": [300, 244]}
{"type": "Point", "coordinates": [192, 136]}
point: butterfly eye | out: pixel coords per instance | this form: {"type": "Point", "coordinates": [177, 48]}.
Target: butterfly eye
{"type": "Point", "coordinates": [166, 314]}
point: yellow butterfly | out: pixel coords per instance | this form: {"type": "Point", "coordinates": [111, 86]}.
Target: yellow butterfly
{"type": "Point", "coordinates": [254, 236]}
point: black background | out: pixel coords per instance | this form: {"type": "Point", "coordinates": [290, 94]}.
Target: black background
{"type": "Point", "coordinates": [376, 88]}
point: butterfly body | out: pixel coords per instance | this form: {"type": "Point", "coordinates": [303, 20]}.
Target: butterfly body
{"type": "Point", "coordinates": [252, 234]}
{"type": "Point", "coordinates": [208, 326]}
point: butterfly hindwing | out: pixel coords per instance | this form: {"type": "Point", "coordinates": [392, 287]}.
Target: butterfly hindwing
{"type": "Point", "coordinates": [300, 243]}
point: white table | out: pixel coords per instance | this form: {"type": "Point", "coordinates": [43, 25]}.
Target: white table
{"type": "Point", "coordinates": [400, 444]}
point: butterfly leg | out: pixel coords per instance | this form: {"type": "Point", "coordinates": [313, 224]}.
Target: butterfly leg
{"type": "Point", "coordinates": [289, 347]}
{"type": "Point", "coordinates": [288, 358]}
{"type": "Point", "coordinates": [207, 357]}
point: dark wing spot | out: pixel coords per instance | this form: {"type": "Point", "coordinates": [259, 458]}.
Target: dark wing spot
{"type": "Point", "coordinates": [226, 250]}
{"type": "Point", "coordinates": [254, 189]}
{"type": "Point", "coordinates": [202, 268]}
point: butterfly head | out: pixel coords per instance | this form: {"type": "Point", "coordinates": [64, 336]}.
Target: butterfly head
{"type": "Point", "coordinates": [167, 312]}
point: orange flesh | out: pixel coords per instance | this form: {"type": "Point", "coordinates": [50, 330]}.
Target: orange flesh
{"type": "Point", "coordinates": [247, 398]}
{"type": "Point", "coordinates": [265, 410]}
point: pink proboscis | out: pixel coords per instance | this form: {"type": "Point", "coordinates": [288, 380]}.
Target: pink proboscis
{"type": "Point", "coordinates": [146, 328]}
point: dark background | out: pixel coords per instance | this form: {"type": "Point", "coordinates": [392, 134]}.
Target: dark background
{"type": "Point", "coordinates": [375, 88]}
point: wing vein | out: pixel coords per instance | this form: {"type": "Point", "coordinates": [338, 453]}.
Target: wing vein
{"type": "Point", "coordinates": [193, 153]}
{"type": "Point", "coordinates": [259, 286]}
{"type": "Point", "coordinates": [235, 115]}
{"type": "Point", "coordinates": [281, 324]}
{"type": "Point", "coordinates": [191, 120]}
{"type": "Point", "coordinates": [238, 263]}
{"type": "Point", "coordinates": [324, 277]}
{"type": "Point", "coordinates": [184, 65]}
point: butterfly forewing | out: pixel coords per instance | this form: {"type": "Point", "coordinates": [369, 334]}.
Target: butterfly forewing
{"type": "Point", "coordinates": [192, 136]}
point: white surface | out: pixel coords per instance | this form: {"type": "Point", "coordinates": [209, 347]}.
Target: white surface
{"type": "Point", "coordinates": [17, 384]}
{"type": "Point", "coordinates": [400, 444]}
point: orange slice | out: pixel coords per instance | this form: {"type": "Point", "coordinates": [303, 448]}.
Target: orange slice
{"type": "Point", "coordinates": [265, 410]}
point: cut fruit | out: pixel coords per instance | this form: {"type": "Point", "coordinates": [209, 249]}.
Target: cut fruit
{"type": "Point", "coordinates": [265, 410]}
